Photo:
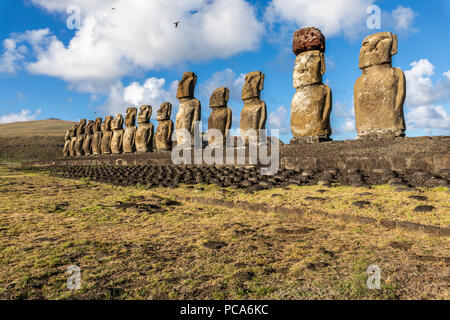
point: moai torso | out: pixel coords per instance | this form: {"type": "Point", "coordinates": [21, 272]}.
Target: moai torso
{"type": "Point", "coordinates": [254, 112]}
{"type": "Point", "coordinates": [380, 91]}
{"type": "Point", "coordinates": [73, 140]}
{"type": "Point", "coordinates": [80, 138]}
{"type": "Point", "coordinates": [311, 104]}
{"type": "Point", "coordinates": [189, 111]}
{"type": "Point", "coordinates": [129, 135]}
{"type": "Point", "coordinates": [88, 136]}
{"type": "Point", "coordinates": [97, 137]}
{"type": "Point", "coordinates": [106, 135]}
{"type": "Point", "coordinates": [163, 135]}
{"type": "Point", "coordinates": [221, 116]}
{"type": "Point", "coordinates": [117, 136]}
{"type": "Point", "coordinates": [67, 138]}
{"type": "Point", "coordinates": [144, 134]}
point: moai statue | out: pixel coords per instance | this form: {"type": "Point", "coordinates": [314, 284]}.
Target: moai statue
{"type": "Point", "coordinates": [106, 135]}
{"type": "Point", "coordinates": [117, 136]}
{"type": "Point", "coordinates": [73, 140]}
{"type": "Point", "coordinates": [254, 113]}
{"type": "Point", "coordinates": [163, 135]}
{"type": "Point", "coordinates": [380, 92]}
{"type": "Point", "coordinates": [189, 111]}
{"type": "Point", "coordinates": [88, 136]}
{"type": "Point", "coordinates": [80, 138]}
{"type": "Point", "coordinates": [97, 137]}
{"type": "Point", "coordinates": [220, 118]}
{"type": "Point", "coordinates": [129, 136]}
{"type": "Point", "coordinates": [144, 134]}
{"type": "Point", "coordinates": [311, 105]}
{"type": "Point", "coordinates": [67, 139]}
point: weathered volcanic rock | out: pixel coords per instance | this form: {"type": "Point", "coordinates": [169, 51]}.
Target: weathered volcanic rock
{"type": "Point", "coordinates": [307, 39]}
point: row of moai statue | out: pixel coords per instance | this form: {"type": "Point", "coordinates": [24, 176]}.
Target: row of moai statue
{"type": "Point", "coordinates": [379, 95]}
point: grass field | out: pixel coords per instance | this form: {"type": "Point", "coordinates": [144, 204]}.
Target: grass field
{"type": "Point", "coordinates": [32, 140]}
{"type": "Point", "coordinates": [135, 243]}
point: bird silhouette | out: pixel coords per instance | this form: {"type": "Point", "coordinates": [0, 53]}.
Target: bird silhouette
{"type": "Point", "coordinates": [176, 24]}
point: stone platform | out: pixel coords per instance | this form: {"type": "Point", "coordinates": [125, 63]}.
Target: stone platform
{"type": "Point", "coordinates": [430, 154]}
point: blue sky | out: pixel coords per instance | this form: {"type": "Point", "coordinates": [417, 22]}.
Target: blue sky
{"type": "Point", "coordinates": [134, 55]}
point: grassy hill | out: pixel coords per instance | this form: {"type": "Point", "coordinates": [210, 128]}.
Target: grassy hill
{"type": "Point", "coordinates": [32, 140]}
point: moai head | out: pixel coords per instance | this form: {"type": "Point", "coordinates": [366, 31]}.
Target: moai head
{"type": "Point", "coordinates": [164, 112]}
{"type": "Point", "coordinates": [307, 39]}
{"type": "Point", "coordinates": [309, 68]}
{"type": "Point", "coordinates": [73, 131]}
{"type": "Point", "coordinates": [219, 97]}
{"type": "Point", "coordinates": [81, 127]}
{"type": "Point", "coordinates": [145, 112]}
{"type": "Point", "coordinates": [377, 49]}
{"type": "Point", "coordinates": [130, 117]}
{"type": "Point", "coordinates": [89, 127]}
{"type": "Point", "coordinates": [254, 83]}
{"type": "Point", "coordinates": [117, 123]}
{"type": "Point", "coordinates": [106, 125]}
{"type": "Point", "coordinates": [187, 85]}
{"type": "Point", "coordinates": [97, 124]}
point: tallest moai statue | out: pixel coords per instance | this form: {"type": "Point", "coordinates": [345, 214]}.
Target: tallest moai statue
{"type": "Point", "coordinates": [380, 92]}
{"type": "Point", "coordinates": [311, 105]}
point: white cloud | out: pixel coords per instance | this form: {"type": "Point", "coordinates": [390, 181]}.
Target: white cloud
{"type": "Point", "coordinates": [152, 92]}
{"type": "Point", "coordinates": [280, 119]}
{"type": "Point", "coordinates": [140, 35]}
{"type": "Point", "coordinates": [423, 99]}
{"type": "Point", "coordinates": [225, 78]}
{"type": "Point", "coordinates": [403, 18]}
{"type": "Point", "coordinates": [333, 17]}
{"type": "Point", "coordinates": [24, 115]}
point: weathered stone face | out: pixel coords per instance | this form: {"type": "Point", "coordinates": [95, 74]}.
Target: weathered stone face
{"type": "Point", "coordinates": [310, 112]}
{"type": "Point", "coordinates": [164, 112]}
{"type": "Point", "coordinates": [97, 137]}
{"type": "Point", "coordinates": [379, 97]}
{"type": "Point", "coordinates": [309, 68]}
{"type": "Point", "coordinates": [144, 134]}
{"type": "Point", "coordinates": [187, 85]}
{"type": "Point", "coordinates": [129, 136]}
{"type": "Point", "coordinates": [117, 136]}
{"type": "Point", "coordinates": [87, 143]}
{"type": "Point", "coordinates": [377, 49]}
{"type": "Point", "coordinates": [219, 97]}
{"type": "Point", "coordinates": [80, 138]}
{"type": "Point", "coordinates": [307, 39]}
{"type": "Point", "coordinates": [221, 116]}
{"type": "Point", "coordinates": [163, 135]}
{"type": "Point", "coordinates": [254, 83]}
{"type": "Point", "coordinates": [106, 135]}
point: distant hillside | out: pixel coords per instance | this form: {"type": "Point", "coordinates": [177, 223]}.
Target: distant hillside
{"type": "Point", "coordinates": [32, 140]}
{"type": "Point", "coordinates": [50, 127]}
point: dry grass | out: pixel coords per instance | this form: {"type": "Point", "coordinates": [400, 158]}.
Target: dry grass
{"type": "Point", "coordinates": [134, 243]}
{"type": "Point", "coordinates": [56, 128]}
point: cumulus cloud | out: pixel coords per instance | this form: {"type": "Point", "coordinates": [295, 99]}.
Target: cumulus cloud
{"type": "Point", "coordinates": [333, 17]}
{"type": "Point", "coordinates": [280, 119]}
{"type": "Point", "coordinates": [225, 78]}
{"type": "Point", "coordinates": [152, 92]}
{"type": "Point", "coordinates": [403, 18]}
{"type": "Point", "coordinates": [140, 35]}
{"type": "Point", "coordinates": [426, 101]}
{"type": "Point", "coordinates": [24, 115]}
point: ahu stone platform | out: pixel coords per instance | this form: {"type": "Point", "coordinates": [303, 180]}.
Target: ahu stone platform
{"type": "Point", "coordinates": [430, 154]}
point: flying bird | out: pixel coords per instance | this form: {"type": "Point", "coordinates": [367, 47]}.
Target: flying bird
{"type": "Point", "coordinates": [176, 24]}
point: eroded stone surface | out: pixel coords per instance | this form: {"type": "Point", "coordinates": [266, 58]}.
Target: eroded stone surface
{"type": "Point", "coordinates": [68, 141]}
{"type": "Point", "coordinates": [106, 135]}
{"type": "Point", "coordinates": [97, 137]}
{"type": "Point", "coordinates": [307, 39]}
{"type": "Point", "coordinates": [129, 135]}
{"type": "Point", "coordinates": [163, 136]}
{"type": "Point", "coordinates": [189, 111]}
{"type": "Point", "coordinates": [117, 136]}
{"type": "Point", "coordinates": [254, 112]}
{"type": "Point", "coordinates": [80, 137]}
{"type": "Point", "coordinates": [221, 116]}
{"type": "Point", "coordinates": [380, 92]}
{"type": "Point", "coordinates": [144, 134]}
{"type": "Point", "coordinates": [88, 136]}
